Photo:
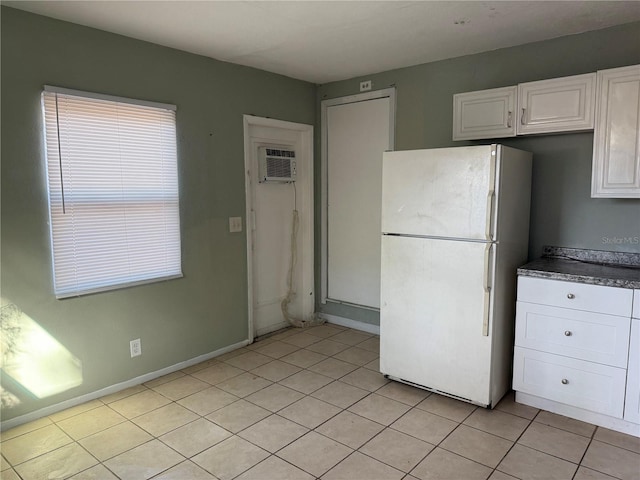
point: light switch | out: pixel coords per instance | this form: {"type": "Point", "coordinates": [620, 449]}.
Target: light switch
{"type": "Point", "coordinates": [235, 224]}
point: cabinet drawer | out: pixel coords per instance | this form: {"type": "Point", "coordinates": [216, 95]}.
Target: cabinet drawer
{"type": "Point", "coordinates": [573, 333]}
{"type": "Point", "coordinates": [579, 296]}
{"type": "Point", "coordinates": [587, 385]}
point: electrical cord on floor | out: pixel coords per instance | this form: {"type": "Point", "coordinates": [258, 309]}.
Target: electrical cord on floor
{"type": "Point", "coordinates": [284, 305]}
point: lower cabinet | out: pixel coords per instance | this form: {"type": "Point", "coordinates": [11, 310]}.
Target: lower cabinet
{"type": "Point", "coordinates": [588, 385]}
{"type": "Point", "coordinates": [632, 402]}
{"type": "Point", "coordinates": [572, 356]}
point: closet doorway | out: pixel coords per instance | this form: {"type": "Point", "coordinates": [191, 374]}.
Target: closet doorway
{"type": "Point", "coordinates": [356, 130]}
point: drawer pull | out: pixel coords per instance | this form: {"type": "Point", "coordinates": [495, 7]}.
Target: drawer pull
{"type": "Point", "coordinates": [567, 333]}
{"type": "Point", "coordinates": [565, 381]}
{"type": "Point", "coordinates": [570, 296]}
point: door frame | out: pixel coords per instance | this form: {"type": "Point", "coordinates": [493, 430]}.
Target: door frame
{"type": "Point", "coordinates": [324, 167]}
{"type": "Point", "coordinates": [306, 261]}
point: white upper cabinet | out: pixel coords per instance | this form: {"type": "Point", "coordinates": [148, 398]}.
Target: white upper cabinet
{"type": "Point", "coordinates": [484, 114]}
{"type": "Point", "coordinates": [564, 104]}
{"type": "Point", "coordinates": [557, 105]}
{"type": "Point", "coordinates": [616, 139]}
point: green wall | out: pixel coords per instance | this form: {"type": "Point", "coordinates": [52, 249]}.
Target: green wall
{"type": "Point", "coordinates": [206, 310]}
{"type": "Point", "coordinates": [562, 211]}
{"type": "Point", "coordinates": [179, 319]}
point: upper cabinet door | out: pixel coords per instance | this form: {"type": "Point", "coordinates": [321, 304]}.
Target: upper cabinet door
{"type": "Point", "coordinates": [616, 139]}
{"type": "Point", "coordinates": [557, 105]}
{"type": "Point", "coordinates": [485, 114]}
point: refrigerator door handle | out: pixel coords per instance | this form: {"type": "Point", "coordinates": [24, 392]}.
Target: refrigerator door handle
{"type": "Point", "coordinates": [487, 284]}
{"type": "Point", "coordinates": [491, 195]}
{"type": "Point", "coordinates": [489, 229]}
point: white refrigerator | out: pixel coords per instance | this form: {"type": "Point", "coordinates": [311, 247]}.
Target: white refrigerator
{"type": "Point", "coordinates": [455, 227]}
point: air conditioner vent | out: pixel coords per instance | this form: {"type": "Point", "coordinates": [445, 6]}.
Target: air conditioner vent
{"type": "Point", "coordinates": [277, 165]}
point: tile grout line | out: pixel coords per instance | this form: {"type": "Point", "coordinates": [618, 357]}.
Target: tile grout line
{"type": "Point", "coordinates": [555, 456]}
{"type": "Point", "coordinates": [493, 469]}
{"type": "Point", "coordinates": [370, 393]}
{"type": "Point", "coordinates": [380, 433]}
{"type": "Point", "coordinates": [391, 428]}
{"type": "Point", "coordinates": [278, 413]}
{"type": "Point", "coordinates": [584, 454]}
{"type": "Point", "coordinates": [515, 442]}
{"type": "Point", "coordinates": [324, 422]}
{"type": "Point", "coordinates": [96, 458]}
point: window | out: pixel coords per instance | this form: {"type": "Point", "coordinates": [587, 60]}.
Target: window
{"type": "Point", "coordinates": [113, 191]}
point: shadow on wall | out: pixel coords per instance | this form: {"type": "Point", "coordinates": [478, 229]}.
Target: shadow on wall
{"type": "Point", "coordinates": [32, 362]}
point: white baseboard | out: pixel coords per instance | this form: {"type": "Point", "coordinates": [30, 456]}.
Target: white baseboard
{"type": "Point", "coordinates": [72, 402]}
{"type": "Point", "coordinates": [355, 324]}
{"type": "Point", "coordinates": [272, 328]}
{"type": "Point", "coordinates": [612, 423]}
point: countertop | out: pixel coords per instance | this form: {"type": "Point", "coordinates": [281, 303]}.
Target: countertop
{"type": "Point", "coordinates": [573, 265]}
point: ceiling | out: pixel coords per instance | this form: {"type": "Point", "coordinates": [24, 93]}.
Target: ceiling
{"type": "Point", "coordinates": [324, 41]}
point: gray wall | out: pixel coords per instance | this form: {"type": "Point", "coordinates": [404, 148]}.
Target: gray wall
{"type": "Point", "coordinates": [562, 212]}
{"type": "Point", "coordinates": [179, 319]}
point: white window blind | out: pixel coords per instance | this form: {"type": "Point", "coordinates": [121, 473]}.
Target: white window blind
{"type": "Point", "coordinates": [113, 191]}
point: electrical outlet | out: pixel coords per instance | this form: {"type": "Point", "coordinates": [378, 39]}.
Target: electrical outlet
{"type": "Point", "coordinates": [235, 224]}
{"type": "Point", "coordinates": [365, 86]}
{"type": "Point", "coordinates": [136, 347]}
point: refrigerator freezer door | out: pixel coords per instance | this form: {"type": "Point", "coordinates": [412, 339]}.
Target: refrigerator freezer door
{"type": "Point", "coordinates": [445, 192]}
{"type": "Point", "coordinates": [431, 316]}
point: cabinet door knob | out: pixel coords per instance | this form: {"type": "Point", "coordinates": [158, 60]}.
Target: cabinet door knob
{"type": "Point", "coordinates": [570, 296]}
{"type": "Point", "coordinates": [523, 118]}
{"type": "Point", "coordinates": [565, 381]}
{"type": "Point", "coordinates": [509, 119]}
{"type": "Point", "coordinates": [567, 333]}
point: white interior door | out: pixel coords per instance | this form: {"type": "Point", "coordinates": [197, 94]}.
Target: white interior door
{"type": "Point", "coordinates": [357, 130]}
{"type": "Point", "coordinates": [269, 211]}
{"type": "Point", "coordinates": [431, 317]}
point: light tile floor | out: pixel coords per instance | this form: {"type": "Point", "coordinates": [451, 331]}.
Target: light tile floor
{"type": "Point", "coordinates": [304, 405]}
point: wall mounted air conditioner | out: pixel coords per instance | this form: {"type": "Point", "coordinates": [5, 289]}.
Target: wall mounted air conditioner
{"type": "Point", "coordinates": [276, 165]}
